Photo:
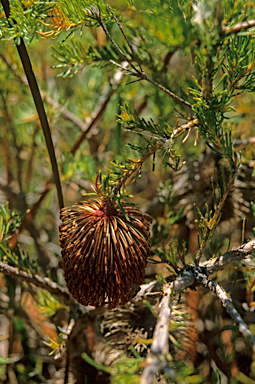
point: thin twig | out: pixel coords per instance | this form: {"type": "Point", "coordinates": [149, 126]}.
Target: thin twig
{"type": "Point", "coordinates": [67, 364]}
{"type": "Point", "coordinates": [142, 106]}
{"type": "Point", "coordinates": [41, 282]}
{"type": "Point", "coordinates": [207, 77]}
{"type": "Point", "coordinates": [34, 208]}
{"type": "Point", "coordinates": [68, 345]}
{"type": "Point", "coordinates": [167, 91]}
{"type": "Point", "coordinates": [99, 110]}
{"type": "Point", "coordinates": [26, 63]}
{"type": "Point", "coordinates": [238, 27]}
{"type": "Point", "coordinates": [7, 157]}
{"type": "Point", "coordinates": [10, 126]}
{"type": "Point", "coordinates": [125, 37]}
{"type": "Point", "coordinates": [167, 58]}
{"type": "Point", "coordinates": [95, 13]}
{"type": "Point", "coordinates": [97, 114]}
{"type": "Point", "coordinates": [227, 304]}
{"type": "Point", "coordinates": [134, 81]}
{"type": "Point", "coordinates": [13, 195]}
{"type": "Point", "coordinates": [143, 76]}
{"type": "Point", "coordinates": [250, 140]}
{"type": "Point", "coordinates": [31, 159]}
{"type": "Point", "coordinates": [100, 21]}
{"type": "Point", "coordinates": [64, 112]}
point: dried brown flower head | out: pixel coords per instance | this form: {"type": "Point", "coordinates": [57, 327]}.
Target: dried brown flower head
{"type": "Point", "coordinates": [104, 253]}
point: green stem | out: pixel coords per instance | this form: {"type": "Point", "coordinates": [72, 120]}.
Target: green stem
{"type": "Point", "coordinates": [27, 66]}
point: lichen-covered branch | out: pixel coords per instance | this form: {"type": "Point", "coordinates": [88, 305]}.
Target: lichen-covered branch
{"type": "Point", "coordinates": [157, 360]}
{"type": "Point", "coordinates": [227, 304]}
{"type": "Point", "coordinates": [41, 282]}
{"type": "Point", "coordinates": [191, 275]}
{"type": "Point", "coordinates": [211, 266]}
{"type": "Point", "coordinates": [215, 264]}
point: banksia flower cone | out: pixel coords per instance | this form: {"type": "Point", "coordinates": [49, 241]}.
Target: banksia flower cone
{"type": "Point", "coordinates": [104, 253]}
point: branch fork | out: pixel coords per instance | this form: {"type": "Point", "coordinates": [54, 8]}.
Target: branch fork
{"type": "Point", "coordinates": [192, 276]}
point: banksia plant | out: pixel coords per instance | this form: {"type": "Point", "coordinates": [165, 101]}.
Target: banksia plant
{"type": "Point", "coordinates": [104, 250]}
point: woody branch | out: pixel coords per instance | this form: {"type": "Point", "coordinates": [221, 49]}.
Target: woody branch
{"type": "Point", "coordinates": [192, 275]}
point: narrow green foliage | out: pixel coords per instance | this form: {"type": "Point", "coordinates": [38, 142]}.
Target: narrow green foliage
{"type": "Point", "coordinates": [74, 56]}
{"type": "Point", "coordinates": [48, 304]}
{"type": "Point", "coordinates": [215, 248]}
{"type": "Point", "coordinates": [161, 278]}
{"type": "Point", "coordinates": [29, 18]}
{"type": "Point", "coordinates": [239, 66]}
{"type": "Point", "coordinates": [121, 168]}
{"type": "Point", "coordinates": [133, 122]}
{"type": "Point", "coordinates": [205, 225]}
{"type": "Point", "coordinates": [105, 186]}
{"type": "Point", "coordinates": [155, 134]}
{"type": "Point", "coordinates": [98, 366]}
{"type": "Point", "coordinates": [168, 24]}
{"type": "Point", "coordinates": [171, 256]}
{"type": "Point", "coordinates": [81, 163]}
{"type": "Point", "coordinates": [3, 362]}
{"type": "Point", "coordinates": [25, 18]}
{"type": "Point", "coordinates": [146, 302]}
{"type": "Point", "coordinates": [9, 222]}
{"type": "Point", "coordinates": [188, 65]}
{"type": "Point", "coordinates": [223, 185]}
{"type": "Point", "coordinates": [123, 370]}
{"type": "Point", "coordinates": [253, 209]}
{"type": "Point", "coordinates": [80, 12]}
{"type": "Point", "coordinates": [227, 147]}
{"type": "Point", "coordinates": [18, 258]}
{"type": "Point", "coordinates": [225, 63]}
{"type": "Point", "coordinates": [58, 346]}
{"type": "Point", "coordinates": [126, 370]}
{"type": "Point", "coordinates": [173, 339]}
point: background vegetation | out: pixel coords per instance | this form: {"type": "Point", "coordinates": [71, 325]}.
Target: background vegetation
{"type": "Point", "coordinates": [171, 82]}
